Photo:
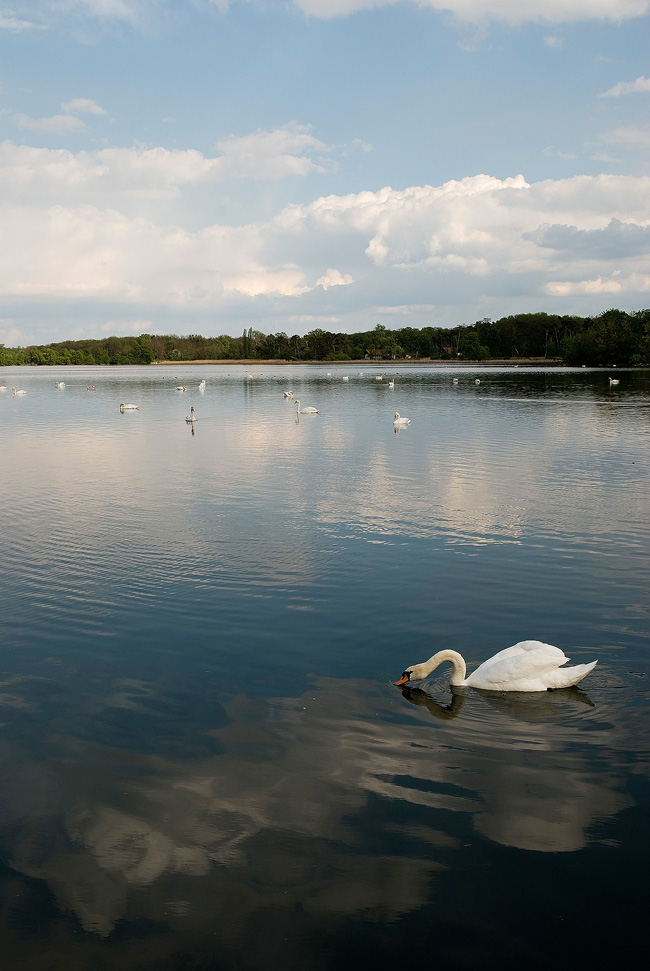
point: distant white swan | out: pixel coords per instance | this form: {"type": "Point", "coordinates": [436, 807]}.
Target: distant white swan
{"type": "Point", "coordinates": [18, 392]}
{"type": "Point", "coordinates": [3, 387]}
{"type": "Point", "coordinates": [401, 421]}
{"type": "Point", "coordinates": [305, 411]}
{"type": "Point", "coordinates": [527, 666]}
{"type": "Point", "coordinates": [391, 384]}
{"type": "Point", "coordinates": [346, 378]}
{"type": "Point", "coordinates": [191, 417]}
{"type": "Point", "coordinates": [60, 384]}
{"type": "Point", "coordinates": [478, 381]}
{"type": "Point", "coordinates": [124, 407]}
{"type": "Point", "coordinates": [379, 377]}
{"type": "Point", "coordinates": [288, 394]}
{"type": "Point", "coordinates": [201, 385]}
{"type": "Point", "coordinates": [181, 387]}
{"type": "Point", "coordinates": [455, 380]}
{"type": "Point", "coordinates": [614, 381]}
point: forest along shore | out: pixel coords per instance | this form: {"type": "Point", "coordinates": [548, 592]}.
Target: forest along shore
{"type": "Point", "coordinates": [614, 337]}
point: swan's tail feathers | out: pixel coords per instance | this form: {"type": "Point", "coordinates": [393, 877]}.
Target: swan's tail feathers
{"type": "Point", "coordinates": [567, 677]}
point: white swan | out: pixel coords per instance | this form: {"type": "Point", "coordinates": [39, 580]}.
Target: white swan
{"type": "Point", "coordinates": [346, 377]}
{"type": "Point", "coordinates": [60, 384]}
{"type": "Point", "coordinates": [288, 394]}
{"type": "Point", "coordinates": [391, 384]}
{"type": "Point", "coordinates": [3, 387]}
{"type": "Point", "coordinates": [455, 380]}
{"type": "Point", "coordinates": [614, 381]}
{"type": "Point", "coordinates": [191, 417]}
{"type": "Point", "coordinates": [124, 407]}
{"type": "Point", "coordinates": [527, 666]}
{"type": "Point", "coordinates": [478, 381]}
{"type": "Point", "coordinates": [201, 385]}
{"type": "Point", "coordinates": [18, 392]}
{"type": "Point", "coordinates": [181, 387]}
{"type": "Point", "coordinates": [401, 421]}
{"type": "Point", "coordinates": [305, 411]}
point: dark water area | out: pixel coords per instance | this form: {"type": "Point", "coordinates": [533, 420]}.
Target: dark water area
{"type": "Point", "coordinates": [205, 763]}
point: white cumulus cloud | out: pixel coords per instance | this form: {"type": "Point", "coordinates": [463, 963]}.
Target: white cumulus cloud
{"type": "Point", "coordinates": [106, 176]}
{"type": "Point", "coordinates": [334, 278]}
{"type": "Point", "coordinates": [480, 246]}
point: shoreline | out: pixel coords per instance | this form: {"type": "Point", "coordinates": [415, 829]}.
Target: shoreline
{"type": "Point", "coordinates": [361, 362]}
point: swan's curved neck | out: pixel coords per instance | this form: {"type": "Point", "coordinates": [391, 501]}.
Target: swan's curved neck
{"type": "Point", "coordinates": [455, 659]}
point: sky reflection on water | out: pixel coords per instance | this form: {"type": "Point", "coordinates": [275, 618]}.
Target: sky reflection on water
{"type": "Point", "coordinates": [205, 761]}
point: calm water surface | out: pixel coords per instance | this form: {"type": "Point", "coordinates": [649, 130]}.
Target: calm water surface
{"type": "Point", "coordinates": [205, 764]}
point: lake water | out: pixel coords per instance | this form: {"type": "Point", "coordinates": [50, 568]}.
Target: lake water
{"type": "Point", "coordinates": [205, 763]}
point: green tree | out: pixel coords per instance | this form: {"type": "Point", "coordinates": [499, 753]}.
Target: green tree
{"type": "Point", "coordinates": [471, 347]}
{"type": "Point", "coordinates": [142, 352]}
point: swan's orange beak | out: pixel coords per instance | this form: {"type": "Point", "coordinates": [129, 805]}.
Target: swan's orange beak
{"type": "Point", "coordinates": [402, 680]}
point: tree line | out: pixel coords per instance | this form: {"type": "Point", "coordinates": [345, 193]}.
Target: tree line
{"type": "Point", "coordinates": [612, 337]}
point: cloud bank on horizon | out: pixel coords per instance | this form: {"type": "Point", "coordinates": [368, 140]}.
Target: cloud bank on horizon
{"type": "Point", "coordinates": [205, 167]}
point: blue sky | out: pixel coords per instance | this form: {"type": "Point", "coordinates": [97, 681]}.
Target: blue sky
{"type": "Point", "coordinates": [201, 166]}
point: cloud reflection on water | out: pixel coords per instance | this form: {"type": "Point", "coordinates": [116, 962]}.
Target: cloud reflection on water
{"type": "Point", "coordinates": [279, 814]}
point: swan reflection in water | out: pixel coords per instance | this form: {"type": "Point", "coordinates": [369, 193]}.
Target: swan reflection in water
{"type": "Point", "coordinates": [527, 708]}
{"type": "Point", "coordinates": [528, 767]}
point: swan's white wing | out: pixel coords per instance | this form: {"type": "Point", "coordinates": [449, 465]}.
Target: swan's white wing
{"type": "Point", "coordinates": [527, 666]}
{"type": "Point", "coordinates": [566, 677]}
{"type": "Point", "coordinates": [527, 649]}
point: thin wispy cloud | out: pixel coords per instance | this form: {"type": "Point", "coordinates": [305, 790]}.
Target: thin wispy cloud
{"type": "Point", "coordinates": [16, 25]}
{"type": "Point", "coordinates": [629, 136]}
{"type": "Point", "coordinates": [569, 288]}
{"type": "Point", "coordinates": [640, 86]}
{"type": "Point", "coordinates": [67, 123]}
{"type": "Point", "coordinates": [127, 10]}
{"type": "Point", "coordinates": [138, 12]}
{"type": "Point", "coordinates": [313, 320]}
{"type": "Point", "coordinates": [10, 335]}
{"type": "Point", "coordinates": [272, 154]}
{"type": "Point", "coordinates": [83, 106]}
{"type": "Point", "coordinates": [54, 124]}
{"type": "Point", "coordinates": [508, 11]}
